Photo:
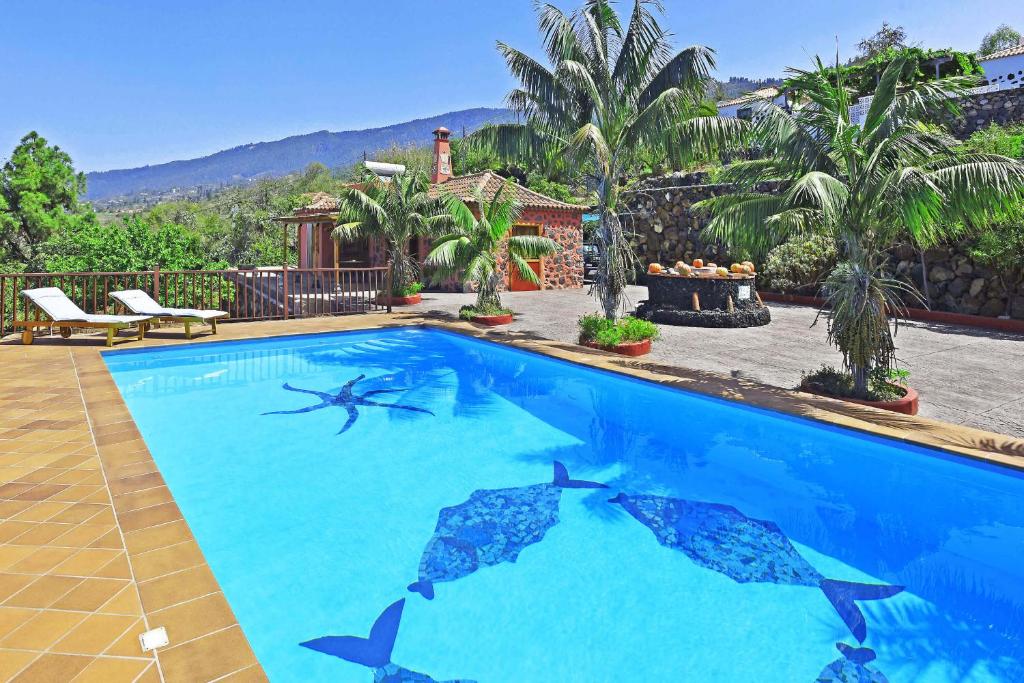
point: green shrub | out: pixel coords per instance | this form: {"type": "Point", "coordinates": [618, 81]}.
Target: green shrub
{"type": "Point", "coordinates": [591, 324]}
{"type": "Point", "coordinates": [550, 188]}
{"type": "Point", "coordinates": [637, 329]}
{"type": "Point", "coordinates": [1006, 140]}
{"type": "Point", "coordinates": [800, 264]}
{"type": "Point", "coordinates": [883, 385]}
{"type": "Point", "coordinates": [411, 289]}
{"type": "Point", "coordinates": [596, 328]}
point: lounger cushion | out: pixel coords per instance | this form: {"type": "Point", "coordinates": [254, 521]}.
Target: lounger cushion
{"type": "Point", "coordinates": [59, 308]}
{"type": "Point", "coordinates": [140, 302]}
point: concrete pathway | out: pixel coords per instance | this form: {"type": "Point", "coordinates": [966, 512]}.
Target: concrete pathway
{"type": "Point", "coordinates": [964, 375]}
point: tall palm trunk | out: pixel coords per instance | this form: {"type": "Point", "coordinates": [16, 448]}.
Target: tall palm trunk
{"type": "Point", "coordinates": [860, 380]}
{"type": "Point", "coordinates": [403, 271]}
{"type": "Point", "coordinates": [487, 296]}
{"type": "Point", "coordinates": [616, 254]}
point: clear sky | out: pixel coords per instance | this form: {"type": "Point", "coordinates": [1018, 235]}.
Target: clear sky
{"type": "Point", "coordinates": [121, 83]}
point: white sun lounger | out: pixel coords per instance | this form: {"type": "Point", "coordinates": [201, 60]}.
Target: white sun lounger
{"type": "Point", "coordinates": [138, 301]}
{"type": "Point", "coordinates": [63, 313]}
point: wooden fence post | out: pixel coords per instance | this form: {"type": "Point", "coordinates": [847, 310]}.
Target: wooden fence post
{"type": "Point", "coordinates": [387, 285]}
{"type": "Point", "coordinates": [284, 279]}
{"type": "Point", "coordinates": [156, 283]}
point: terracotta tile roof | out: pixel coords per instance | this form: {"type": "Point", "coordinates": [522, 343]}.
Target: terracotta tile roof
{"type": "Point", "coordinates": [762, 94]}
{"type": "Point", "coordinates": [462, 187]}
{"type": "Point", "coordinates": [319, 202]}
{"type": "Point", "coordinates": [489, 183]}
{"type": "Point", "coordinates": [1008, 52]}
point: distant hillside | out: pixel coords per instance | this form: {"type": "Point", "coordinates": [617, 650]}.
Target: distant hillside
{"type": "Point", "coordinates": [739, 85]}
{"type": "Point", "coordinates": [247, 162]}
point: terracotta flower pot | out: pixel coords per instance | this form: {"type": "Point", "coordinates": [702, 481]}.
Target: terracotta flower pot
{"type": "Point", "coordinates": [906, 405]}
{"type": "Point", "coordinates": [492, 320]}
{"type": "Point", "coordinates": [400, 300]}
{"type": "Point", "coordinates": [639, 348]}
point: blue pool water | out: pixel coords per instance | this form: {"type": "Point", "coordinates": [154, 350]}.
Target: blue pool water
{"type": "Point", "coordinates": [731, 544]}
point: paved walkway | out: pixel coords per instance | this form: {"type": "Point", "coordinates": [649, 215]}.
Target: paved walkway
{"type": "Point", "coordinates": [964, 375]}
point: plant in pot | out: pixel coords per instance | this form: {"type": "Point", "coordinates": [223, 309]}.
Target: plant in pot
{"type": "Point", "coordinates": [472, 251]}
{"type": "Point", "coordinates": [866, 186]}
{"type": "Point", "coordinates": [394, 211]}
{"type": "Point", "coordinates": [628, 336]}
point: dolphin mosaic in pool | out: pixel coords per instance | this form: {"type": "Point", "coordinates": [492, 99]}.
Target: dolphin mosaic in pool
{"type": "Point", "coordinates": [852, 668]}
{"type": "Point", "coordinates": [375, 651]}
{"type": "Point", "coordinates": [349, 400]}
{"type": "Point", "coordinates": [491, 527]}
{"type": "Point", "coordinates": [721, 538]}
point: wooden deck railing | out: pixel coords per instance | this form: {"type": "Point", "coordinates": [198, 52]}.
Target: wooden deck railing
{"type": "Point", "coordinates": [258, 294]}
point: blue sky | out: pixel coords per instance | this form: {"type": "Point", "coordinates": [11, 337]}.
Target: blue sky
{"type": "Point", "coordinates": [126, 83]}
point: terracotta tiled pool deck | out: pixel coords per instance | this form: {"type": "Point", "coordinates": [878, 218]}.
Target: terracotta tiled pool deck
{"type": "Point", "coordinates": [93, 548]}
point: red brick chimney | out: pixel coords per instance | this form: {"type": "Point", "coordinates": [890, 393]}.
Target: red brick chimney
{"type": "Point", "coordinates": [442, 156]}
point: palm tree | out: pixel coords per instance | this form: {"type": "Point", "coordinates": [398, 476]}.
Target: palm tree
{"type": "Point", "coordinates": [395, 211]}
{"type": "Point", "coordinates": [608, 94]}
{"type": "Point", "coordinates": [867, 186]}
{"type": "Point", "coordinates": [474, 249]}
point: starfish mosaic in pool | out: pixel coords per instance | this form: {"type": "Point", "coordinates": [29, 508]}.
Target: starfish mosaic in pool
{"type": "Point", "coordinates": [852, 668]}
{"type": "Point", "coordinates": [721, 538]}
{"type": "Point", "coordinates": [349, 400]}
{"type": "Point", "coordinates": [375, 651]}
{"type": "Point", "coordinates": [491, 527]}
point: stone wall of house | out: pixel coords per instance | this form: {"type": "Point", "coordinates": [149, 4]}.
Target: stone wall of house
{"type": "Point", "coordinates": [663, 228]}
{"type": "Point", "coordinates": [983, 109]}
{"type": "Point", "coordinates": [563, 270]}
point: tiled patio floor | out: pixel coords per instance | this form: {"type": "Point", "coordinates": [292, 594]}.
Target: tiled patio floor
{"type": "Point", "coordinates": [93, 548]}
{"type": "Point", "coordinates": [70, 607]}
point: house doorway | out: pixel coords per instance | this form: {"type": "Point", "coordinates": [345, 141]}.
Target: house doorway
{"type": "Point", "coordinates": [516, 282]}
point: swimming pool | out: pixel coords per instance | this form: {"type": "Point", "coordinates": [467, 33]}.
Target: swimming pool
{"type": "Point", "coordinates": [409, 500]}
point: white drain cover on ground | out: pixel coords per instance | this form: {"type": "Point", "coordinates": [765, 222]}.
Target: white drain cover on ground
{"type": "Point", "coordinates": [153, 639]}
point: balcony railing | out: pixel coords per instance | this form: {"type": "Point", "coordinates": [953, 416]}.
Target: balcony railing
{"type": "Point", "coordinates": [256, 294]}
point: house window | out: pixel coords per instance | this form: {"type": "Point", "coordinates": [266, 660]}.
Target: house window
{"type": "Point", "coordinates": [520, 230]}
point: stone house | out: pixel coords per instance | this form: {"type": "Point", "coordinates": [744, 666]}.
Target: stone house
{"type": "Point", "coordinates": [539, 214]}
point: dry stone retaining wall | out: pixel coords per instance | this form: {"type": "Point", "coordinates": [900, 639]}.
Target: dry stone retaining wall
{"type": "Point", "coordinates": [664, 228]}
{"type": "Point", "coordinates": [983, 109]}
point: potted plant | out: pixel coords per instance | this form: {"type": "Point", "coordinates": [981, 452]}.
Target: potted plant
{"type": "Point", "coordinates": [886, 389]}
{"type": "Point", "coordinates": [629, 336]}
{"type": "Point", "coordinates": [394, 211]}
{"type": "Point", "coordinates": [473, 249]}
{"type": "Point", "coordinates": [865, 186]}
{"type": "Point", "coordinates": [404, 296]}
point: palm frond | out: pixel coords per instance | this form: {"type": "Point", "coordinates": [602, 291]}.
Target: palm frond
{"type": "Point", "coordinates": [689, 70]}
{"type": "Point", "coordinates": [821, 192]}
{"type": "Point", "coordinates": [740, 220]}
{"type": "Point", "coordinates": [532, 246]}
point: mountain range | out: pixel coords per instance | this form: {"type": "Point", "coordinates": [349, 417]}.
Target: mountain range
{"type": "Point", "coordinates": [245, 163]}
